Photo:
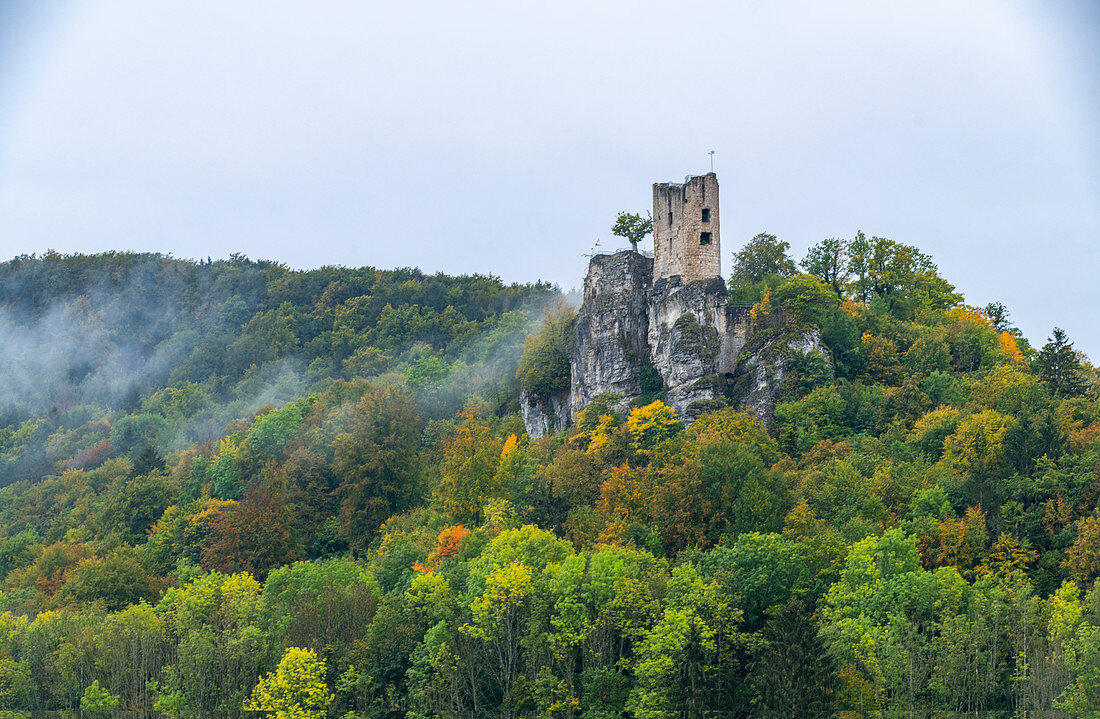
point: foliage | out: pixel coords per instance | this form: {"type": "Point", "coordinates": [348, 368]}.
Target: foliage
{"type": "Point", "coordinates": [319, 480]}
{"type": "Point", "coordinates": [652, 424]}
{"type": "Point", "coordinates": [1059, 366]}
{"type": "Point", "coordinates": [544, 368]}
{"type": "Point", "coordinates": [828, 261]}
{"type": "Point", "coordinates": [470, 463]}
{"type": "Point", "coordinates": [95, 699]}
{"type": "Point", "coordinates": [632, 227]}
{"type": "Point", "coordinates": [762, 262]}
{"type": "Point", "coordinates": [295, 690]}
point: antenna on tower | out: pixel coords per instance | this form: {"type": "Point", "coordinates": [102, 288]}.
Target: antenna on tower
{"type": "Point", "coordinates": [711, 153]}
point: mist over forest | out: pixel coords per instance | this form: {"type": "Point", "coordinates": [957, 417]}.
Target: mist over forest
{"type": "Point", "coordinates": [230, 485]}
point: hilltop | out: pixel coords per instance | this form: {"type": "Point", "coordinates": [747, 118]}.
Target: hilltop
{"type": "Point", "coordinates": [214, 469]}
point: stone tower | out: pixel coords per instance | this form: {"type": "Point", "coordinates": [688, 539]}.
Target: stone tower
{"type": "Point", "coordinates": [685, 229]}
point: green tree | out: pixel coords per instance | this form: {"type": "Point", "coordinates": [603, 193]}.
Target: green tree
{"type": "Point", "coordinates": [497, 619]}
{"type": "Point", "coordinates": [325, 606]}
{"type": "Point", "coordinates": [470, 462]}
{"type": "Point", "coordinates": [977, 447]}
{"type": "Point", "coordinates": [544, 367]}
{"type": "Point", "coordinates": [762, 261]}
{"type": "Point", "coordinates": [118, 580]}
{"type": "Point", "coordinates": [1001, 318]}
{"type": "Point", "coordinates": [96, 699]}
{"type": "Point", "coordinates": [220, 648]}
{"type": "Point", "coordinates": [632, 227]}
{"type": "Point", "coordinates": [1060, 366]}
{"type": "Point", "coordinates": [226, 475]}
{"type": "Point", "coordinates": [805, 300]}
{"type": "Point", "coordinates": [828, 261]}
{"type": "Point", "coordinates": [295, 690]}
{"type": "Point", "coordinates": [270, 432]}
{"type": "Point", "coordinates": [376, 461]}
{"type": "Point", "coordinates": [903, 276]}
{"type": "Point", "coordinates": [692, 662]}
{"type": "Point", "coordinates": [794, 674]}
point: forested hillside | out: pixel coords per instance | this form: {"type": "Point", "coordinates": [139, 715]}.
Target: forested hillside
{"type": "Point", "coordinates": [232, 485]}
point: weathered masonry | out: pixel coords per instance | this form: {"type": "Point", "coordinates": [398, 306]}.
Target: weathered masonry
{"type": "Point", "coordinates": [686, 240]}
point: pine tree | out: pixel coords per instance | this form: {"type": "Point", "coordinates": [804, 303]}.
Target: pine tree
{"type": "Point", "coordinates": [1060, 367]}
{"type": "Point", "coordinates": [794, 674]}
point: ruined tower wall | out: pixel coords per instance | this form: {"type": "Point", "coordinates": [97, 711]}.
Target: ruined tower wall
{"type": "Point", "coordinates": [686, 238]}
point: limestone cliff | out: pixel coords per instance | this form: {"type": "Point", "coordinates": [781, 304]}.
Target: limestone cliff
{"type": "Point", "coordinates": [694, 338]}
{"type": "Point", "coordinates": [631, 329]}
{"type": "Point", "coordinates": [765, 367]}
{"type": "Point", "coordinates": [543, 415]}
{"type": "Point", "coordinates": [684, 332]}
{"type": "Point", "coordinates": [611, 344]}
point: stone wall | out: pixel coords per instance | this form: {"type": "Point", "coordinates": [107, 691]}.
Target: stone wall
{"type": "Point", "coordinates": [678, 226]}
{"type": "Point", "coordinates": [734, 327]}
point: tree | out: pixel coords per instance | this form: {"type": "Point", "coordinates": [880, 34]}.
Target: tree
{"type": "Point", "coordinates": [226, 474]}
{"type": "Point", "coordinates": [220, 649]}
{"type": "Point", "coordinates": [117, 580]}
{"type": "Point", "coordinates": [470, 463]}
{"type": "Point", "coordinates": [147, 460]}
{"type": "Point", "coordinates": [1001, 318]}
{"type": "Point", "coordinates": [1060, 366]}
{"type": "Point", "coordinates": [762, 257]}
{"type": "Point", "coordinates": [325, 606]}
{"type": "Point", "coordinates": [252, 535]}
{"type": "Point", "coordinates": [692, 662]}
{"type": "Point", "coordinates": [901, 274]}
{"type": "Point", "coordinates": [295, 690]}
{"type": "Point", "coordinates": [828, 261]}
{"type": "Point", "coordinates": [270, 432]}
{"type": "Point", "coordinates": [652, 424]}
{"type": "Point", "coordinates": [632, 227]}
{"type": "Point", "coordinates": [543, 369]}
{"type": "Point", "coordinates": [497, 620]}
{"type": "Point", "coordinates": [376, 461]}
{"type": "Point", "coordinates": [794, 673]}
{"type": "Point", "coordinates": [804, 300]}
{"type": "Point", "coordinates": [96, 699]}
{"type": "Point", "coordinates": [1083, 558]}
{"type": "Point", "coordinates": [977, 448]}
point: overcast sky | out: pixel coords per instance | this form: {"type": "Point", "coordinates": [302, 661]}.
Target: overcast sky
{"type": "Point", "coordinates": [502, 138]}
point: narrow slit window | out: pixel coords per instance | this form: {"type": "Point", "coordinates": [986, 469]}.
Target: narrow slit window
{"type": "Point", "coordinates": [670, 219]}
{"type": "Point", "coordinates": [706, 214]}
{"type": "Point", "coordinates": [704, 238]}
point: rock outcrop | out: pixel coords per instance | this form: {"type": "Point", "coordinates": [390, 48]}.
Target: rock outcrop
{"type": "Point", "coordinates": [631, 330]}
{"type": "Point", "coordinates": [694, 338]}
{"type": "Point", "coordinates": [544, 415]}
{"type": "Point", "coordinates": [766, 365]}
{"type": "Point", "coordinates": [611, 344]}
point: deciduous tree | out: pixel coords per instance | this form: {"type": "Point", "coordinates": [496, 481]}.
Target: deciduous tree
{"type": "Point", "coordinates": [632, 227]}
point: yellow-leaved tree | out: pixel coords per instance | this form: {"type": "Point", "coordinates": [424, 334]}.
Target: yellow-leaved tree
{"type": "Point", "coordinates": [651, 424]}
{"type": "Point", "coordinates": [295, 690]}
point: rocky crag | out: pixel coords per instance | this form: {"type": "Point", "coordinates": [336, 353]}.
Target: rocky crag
{"type": "Point", "coordinates": [611, 344]}
{"type": "Point", "coordinates": [681, 340]}
{"type": "Point", "coordinates": [663, 326]}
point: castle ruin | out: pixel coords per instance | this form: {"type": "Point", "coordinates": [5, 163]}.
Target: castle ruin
{"type": "Point", "coordinates": [686, 241]}
{"type": "Point", "coordinates": [655, 326]}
